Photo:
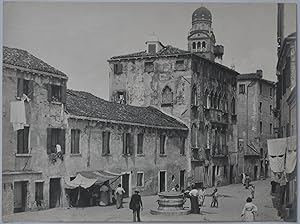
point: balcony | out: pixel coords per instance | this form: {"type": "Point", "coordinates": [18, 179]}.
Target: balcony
{"type": "Point", "coordinates": [216, 116]}
{"type": "Point", "coordinates": [219, 151]}
{"type": "Point", "coordinates": [197, 155]}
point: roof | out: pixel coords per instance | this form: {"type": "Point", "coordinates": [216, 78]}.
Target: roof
{"type": "Point", "coordinates": [251, 76]}
{"type": "Point", "coordinates": [201, 13]}
{"type": "Point", "coordinates": [85, 104]}
{"type": "Point", "coordinates": [165, 51]}
{"type": "Point", "coordinates": [23, 59]}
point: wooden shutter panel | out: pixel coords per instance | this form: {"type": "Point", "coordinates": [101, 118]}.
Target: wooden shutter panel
{"type": "Point", "coordinates": [63, 93]}
{"type": "Point", "coordinates": [62, 140]}
{"type": "Point", "coordinates": [20, 87]}
{"type": "Point", "coordinates": [49, 143]}
{"type": "Point", "coordinates": [103, 143]}
{"type": "Point", "coordinates": [26, 136]}
{"type": "Point", "coordinates": [108, 141]}
{"type": "Point", "coordinates": [120, 68]}
{"type": "Point", "coordinates": [72, 141]}
{"type": "Point", "coordinates": [49, 92]}
{"type": "Point", "coordinates": [30, 89]}
{"type": "Point", "coordinates": [20, 134]}
{"type": "Point", "coordinates": [131, 149]}
{"type": "Point", "coordinates": [124, 143]}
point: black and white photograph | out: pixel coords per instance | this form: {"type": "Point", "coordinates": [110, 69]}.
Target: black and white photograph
{"type": "Point", "coordinates": [149, 111]}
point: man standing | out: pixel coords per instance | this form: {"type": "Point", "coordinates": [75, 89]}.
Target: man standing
{"type": "Point", "coordinates": [135, 205]}
{"type": "Point", "coordinates": [119, 196]}
{"type": "Point", "coordinates": [194, 200]}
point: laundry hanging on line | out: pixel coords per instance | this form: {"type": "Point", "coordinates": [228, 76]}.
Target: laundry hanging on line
{"type": "Point", "coordinates": [17, 114]}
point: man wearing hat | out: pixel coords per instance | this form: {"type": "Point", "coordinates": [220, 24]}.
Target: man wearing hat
{"type": "Point", "coordinates": [135, 205]}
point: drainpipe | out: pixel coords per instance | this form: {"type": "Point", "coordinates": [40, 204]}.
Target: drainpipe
{"type": "Point", "coordinates": [89, 145]}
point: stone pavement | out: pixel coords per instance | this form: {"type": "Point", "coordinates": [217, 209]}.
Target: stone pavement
{"type": "Point", "coordinates": [230, 207]}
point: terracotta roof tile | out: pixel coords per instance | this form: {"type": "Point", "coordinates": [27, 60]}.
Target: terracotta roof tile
{"type": "Point", "coordinates": [81, 103]}
{"type": "Point", "coordinates": [22, 58]}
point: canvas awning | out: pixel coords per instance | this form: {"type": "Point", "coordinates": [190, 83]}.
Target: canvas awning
{"type": "Point", "coordinates": [86, 179]}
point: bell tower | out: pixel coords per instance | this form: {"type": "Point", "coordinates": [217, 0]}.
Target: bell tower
{"type": "Point", "coordinates": [201, 39]}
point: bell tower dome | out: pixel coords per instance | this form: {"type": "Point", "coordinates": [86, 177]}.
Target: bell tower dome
{"type": "Point", "coordinates": [201, 39]}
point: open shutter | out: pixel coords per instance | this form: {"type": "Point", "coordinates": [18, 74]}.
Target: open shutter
{"type": "Point", "coordinates": [20, 141]}
{"type": "Point", "coordinates": [30, 89]}
{"type": "Point", "coordinates": [120, 68]}
{"type": "Point", "coordinates": [63, 93]}
{"type": "Point", "coordinates": [108, 142]}
{"type": "Point", "coordinates": [26, 136]}
{"type": "Point", "coordinates": [49, 92]}
{"type": "Point", "coordinates": [62, 140]}
{"type": "Point", "coordinates": [20, 87]}
{"type": "Point", "coordinates": [131, 149]}
{"type": "Point", "coordinates": [103, 143]}
{"type": "Point", "coordinates": [49, 145]}
{"type": "Point", "coordinates": [124, 143]}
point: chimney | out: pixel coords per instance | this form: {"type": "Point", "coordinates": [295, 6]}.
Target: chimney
{"type": "Point", "coordinates": [259, 72]}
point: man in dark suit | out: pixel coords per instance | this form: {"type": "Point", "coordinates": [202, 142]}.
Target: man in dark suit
{"type": "Point", "coordinates": [135, 205]}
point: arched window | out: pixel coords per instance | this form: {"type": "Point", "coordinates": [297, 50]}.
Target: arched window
{"type": "Point", "coordinates": [233, 106]}
{"type": "Point", "coordinates": [219, 102]}
{"type": "Point", "coordinates": [225, 103]}
{"type": "Point", "coordinates": [194, 95]}
{"type": "Point", "coordinates": [203, 44]}
{"type": "Point", "coordinates": [216, 100]}
{"type": "Point", "coordinates": [194, 45]}
{"type": "Point", "coordinates": [198, 45]}
{"type": "Point", "coordinates": [205, 99]}
{"type": "Point", "coordinates": [194, 135]}
{"type": "Point", "coordinates": [167, 95]}
{"type": "Point", "coordinates": [209, 100]}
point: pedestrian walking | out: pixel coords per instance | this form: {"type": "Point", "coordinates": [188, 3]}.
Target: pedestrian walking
{"type": "Point", "coordinates": [201, 196]}
{"type": "Point", "coordinates": [136, 205]}
{"type": "Point", "coordinates": [214, 201]}
{"type": "Point", "coordinates": [194, 200]}
{"type": "Point", "coordinates": [249, 211]}
{"type": "Point", "coordinates": [243, 178]}
{"type": "Point", "coordinates": [119, 196]}
{"type": "Point", "coordinates": [252, 189]}
{"type": "Point", "coordinates": [247, 181]}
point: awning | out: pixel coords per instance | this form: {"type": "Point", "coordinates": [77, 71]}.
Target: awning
{"type": "Point", "coordinates": [86, 179]}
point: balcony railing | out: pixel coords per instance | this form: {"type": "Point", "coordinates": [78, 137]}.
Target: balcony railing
{"type": "Point", "coordinates": [219, 150]}
{"type": "Point", "coordinates": [197, 155]}
{"type": "Point", "coordinates": [216, 115]}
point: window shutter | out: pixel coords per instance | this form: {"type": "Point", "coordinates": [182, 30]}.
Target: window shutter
{"type": "Point", "coordinates": [63, 93]}
{"type": "Point", "coordinates": [124, 143]}
{"type": "Point", "coordinates": [49, 92]}
{"type": "Point", "coordinates": [26, 136]}
{"type": "Point", "coordinates": [20, 144]}
{"type": "Point", "coordinates": [30, 89]}
{"type": "Point", "coordinates": [49, 145]}
{"type": "Point", "coordinates": [107, 142]}
{"type": "Point", "coordinates": [72, 141]}
{"type": "Point", "coordinates": [131, 149]}
{"type": "Point", "coordinates": [20, 87]}
{"type": "Point", "coordinates": [120, 68]}
{"type": "Point", "coordinates": [62, 140]}
{"type": "Point", "coordinates": [77, 141]}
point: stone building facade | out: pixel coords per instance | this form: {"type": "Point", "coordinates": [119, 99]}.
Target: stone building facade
{"type": "Point", "coordinates": [256, 123]}
{"type": "Point", "coordinates": [165, 77]}
{"type": "Point", "coordinates": [93, 134]}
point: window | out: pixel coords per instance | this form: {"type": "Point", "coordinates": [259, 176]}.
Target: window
{"type": "Point", "coordinates": [260, 89]}
{"type": "Point", "coordinates": [242, 89]}
{"type": "Point", "coordinates": [152, 48]}
{"type": "Point", "coordinates": [140, 179]}
{"type": "Point", "coordinates": [55, 136]}
{"type": "Point", "coordinates": [233, 106]}
{"type": "Point", "coordinates": [225, 171]}
{"type": "Point", "coordinates": [271, 109]}
{"type": "Point", "coordinates": [127, 144]}
{"type": "Point", "coordinates": [203, 44]}
{"type": "Point", "coordinates": [194, 96]}
{"type": "Point", "coordinates": [182, 145]}
{"type": "Point", "coordinates": [261, 153]}
{"type": "Point", "coordinates": [22, 140]}
{"type": "Point", "coordinates": [105, 143]}
{"type": "Point", "coordinates": [199, 45]}
{"type": "Point", "coordinates": [260, 127]}
{"type": "Point", "coordinates": [271, 129]}
{"type": "Point", "coordinates": [167, 96]}
{"type": "Point", "coordinates": [75, 139]}
{"type": "Point", "coordinates": [39, 188]}
{"type": "Point", "coordinates": [260, 107]}
{"type": "Point", "coordinates": [194, 45]}
{"type": "Point", "coordinates": [162, 144]}
{"type": "Point", "coordinates": [140, 143]}
{"type": "Point", "coordinates": [149, 66]}
{"type": "Point", "coordinates": [179, 65]}
{"type": "Point", "coordinates": [271, 92]}
{"type": "Point", "coordinates": [121, 97]}
{"type": "Point", "coordinates": [56, 93]}
{"type": "Point", "coordinates": [194, 135]}
{"type": "Point", "coordinates": [25, 87]}
{"type": "Point", "coordinates": [118, 68]}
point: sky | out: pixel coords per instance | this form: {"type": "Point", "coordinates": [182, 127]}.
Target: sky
{"type": "Point", "coordinates": [78, 38]}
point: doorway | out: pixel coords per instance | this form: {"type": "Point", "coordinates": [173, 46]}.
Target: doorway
{"type": "Point", "coordinates": [213, 175]}
{"type": "Point", "coordinates": [181, 179]}
{"type": "Point", "coordinates": [255, 172]}
{"type": "Point", "coordinates": [20, 196]}
{"type": "Point", "coordinates": [55, 192]}
{"type": "Point", "coordinates": [266, 170]}
{"type": "Point", "coordinates": [231, 174]}
{"type": "Point", "coordinates": [125, 184]}
{"type": "Point", "coordinates": [162, 181]}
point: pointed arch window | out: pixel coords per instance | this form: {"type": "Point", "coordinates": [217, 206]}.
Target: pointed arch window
{"type": "Point", "coordinates": [199, 45]}
{"type": "Point", "coordinates": [205, 99]}
{"type": "Point", "coordinates": [204, 44]}
{"type": "Point", "coordinates": [194, 45]}
{"type": "Point", "coordinates": [194, 96]}
{"type": "Point", "coordinates": [194, 135]}
{"type": "Point", "coordinates": [167, 96]}
{"type": "Point", "coordinates": [233, 106]}
{"type": "Point", "coordinates": [209, 100]}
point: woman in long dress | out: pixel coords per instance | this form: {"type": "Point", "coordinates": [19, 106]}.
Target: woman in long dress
{"type": "Point", "coordinates": [249, 211]}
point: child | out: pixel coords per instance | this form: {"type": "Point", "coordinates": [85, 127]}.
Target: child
{"type": "Point", "coordinates": [214, 202]}
{"type": "Point", "coordinates": [252, 189]}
